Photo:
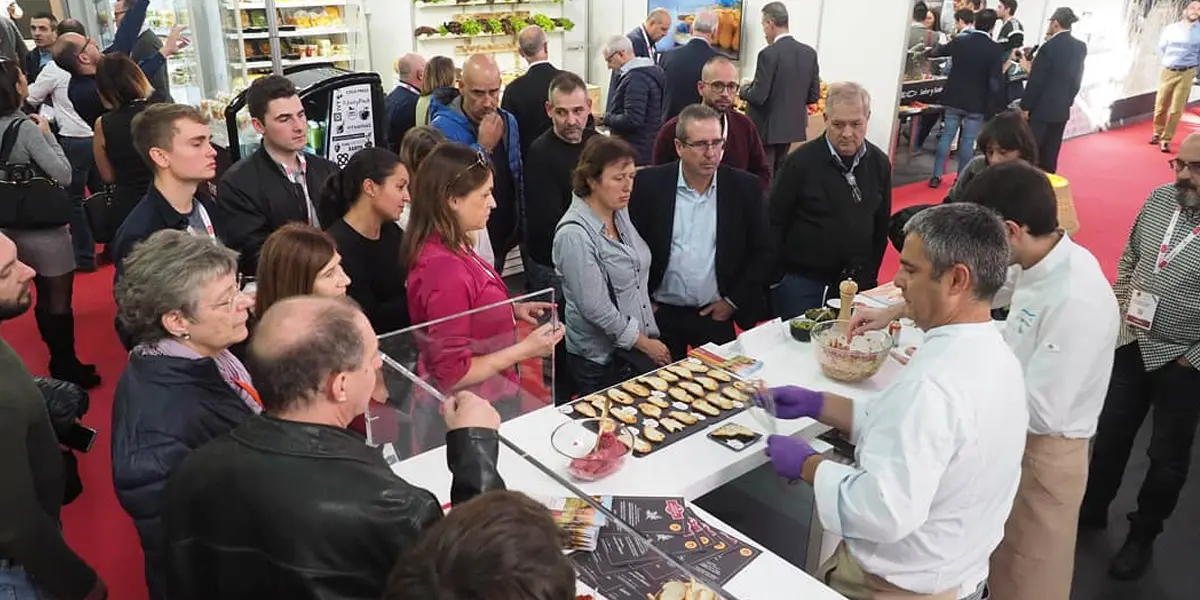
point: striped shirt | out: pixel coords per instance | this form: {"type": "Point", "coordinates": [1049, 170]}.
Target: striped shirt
{"type": "Point", "coordinates": [1175, 332]}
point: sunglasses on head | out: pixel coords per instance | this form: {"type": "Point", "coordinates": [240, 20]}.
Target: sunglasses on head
{"type": "Point", "coordinates": [481, 160]}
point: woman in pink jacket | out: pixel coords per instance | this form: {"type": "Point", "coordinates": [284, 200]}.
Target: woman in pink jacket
{"type": "Point", "coordinates": [452, 196]}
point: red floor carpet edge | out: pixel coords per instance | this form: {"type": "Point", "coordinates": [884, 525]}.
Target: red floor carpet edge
{"type": "Point", "coordinates": [1110, 173]}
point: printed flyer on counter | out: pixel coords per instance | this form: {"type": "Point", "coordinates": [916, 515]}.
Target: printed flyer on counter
{"type": "Point", "coordinates": [622, 566]}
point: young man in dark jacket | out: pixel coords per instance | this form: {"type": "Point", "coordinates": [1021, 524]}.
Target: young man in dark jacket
{"type": "Point", "coordinates": [294, 505]}
{"type": "Point", "coordinates": [830, 206]}
{"type": "Point", "coordinates": [635, 113]}
{"type": "Point", "coordinates": [35, 560]}
{"type": "Point", "coordinates": [280, 182]}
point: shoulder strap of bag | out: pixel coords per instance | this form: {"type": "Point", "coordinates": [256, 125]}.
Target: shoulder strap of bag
{"type": "Point", "coordinates": [10, 139]}
{"type": "Point", "coordinates": [612, 294]}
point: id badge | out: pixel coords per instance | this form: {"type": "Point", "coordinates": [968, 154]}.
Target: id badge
{"type": "Point", "coordinates": [1142, 306]}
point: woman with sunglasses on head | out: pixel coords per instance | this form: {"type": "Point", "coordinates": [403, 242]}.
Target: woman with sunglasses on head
{"type": "Point", "coordinates": [446, 277]}
{"type": "Point", "coordinates": [361, 204]}
{"type": "Point", "coordinates": [180, 303]}
{"type": "Point", "coordinates": [48, 251]}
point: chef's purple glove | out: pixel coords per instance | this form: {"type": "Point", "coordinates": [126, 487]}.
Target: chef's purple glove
{"type": "Point", "coordinates": [788, 455]}
{"type": "Point", "coordinates": [793, 402]}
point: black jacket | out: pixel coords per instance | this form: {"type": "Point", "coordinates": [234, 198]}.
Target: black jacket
{"type": "Point", "coordinates": [163, 409]}
{"type": "Point", "coordinates": [1055, 79]}
{"type": "Point", "coordinates": [636, 111]}
{"type": "Point", "coordinates": [526, 99]}
{"type": "Point", "coordinates": [256, 198]}
{"type": "Point", "coordinates": [280, 509]}
{"type": "Point", "coordinates": [640, 48]}
{"type": "Point", "coordinates": [744, 250]}
{"type": "Point", "coordinates": [822, 231]}
{"type": "Point", "coordinates": [154, 214]}
{"type": "Point", "coordinates": [975, 84]}
{"type": "Point", "coordinates": [683, 66]}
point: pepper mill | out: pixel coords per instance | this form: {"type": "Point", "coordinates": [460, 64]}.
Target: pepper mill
{"type": "Point", "coordinates": [848, 289]}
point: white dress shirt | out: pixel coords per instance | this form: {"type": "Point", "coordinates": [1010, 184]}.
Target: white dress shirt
{"type": "Point", "coordinates": [939, 459]}
{"type": "Point", "coordinates": [1063, 327]}
{"type": "Point", "coordinates": [50, 87]}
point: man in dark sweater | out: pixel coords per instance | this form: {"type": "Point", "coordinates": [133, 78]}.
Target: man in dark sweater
{"type": "Point", "coordinates": [555, 152]}
{"type": "Point", "coordinates": [35, 561]}
{"type": "Point", "coordinates": [743, 148]}
{"type": "Point", "coordinates": [402, 101]}
{"type": "Point", "coordinates": [829, 207]}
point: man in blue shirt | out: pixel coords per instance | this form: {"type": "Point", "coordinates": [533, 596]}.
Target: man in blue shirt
{"type": "Point", "coordinates": [1179, 51]}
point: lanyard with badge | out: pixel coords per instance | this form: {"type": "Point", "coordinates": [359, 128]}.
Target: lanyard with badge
{"type": "Point", "coordinates": [1143, 305]}
{"type": "Point", "coordinates": [208, 226]}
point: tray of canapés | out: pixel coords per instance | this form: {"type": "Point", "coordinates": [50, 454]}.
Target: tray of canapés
{"type": "Point", "coordinates": [668, 405]}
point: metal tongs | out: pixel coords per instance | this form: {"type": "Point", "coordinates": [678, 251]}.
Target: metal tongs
{"type": "Point", "coordinates": [763, 408]}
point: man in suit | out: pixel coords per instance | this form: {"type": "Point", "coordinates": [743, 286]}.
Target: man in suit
{"type": "Point", "coordinates": [743, 148]}
{"type": "Point", "coordinates": [973, 89]}
{"type": "Point", "coordinates": [148, 44]}
{"type": "Point", "coordinates": [526, 96]}
{"type": "Point", "coordinates": [1054, 80]}
{"type": "Point", "coordinates": [643, 39]}
{"type": "Point", "coordinates": [706, 227]}
{"type": "Point", "coordinates": [402, 102]}
{"type": "Point", "coordinates": [684, 64]}
{"type": "Point", "coordinates": [786, 80]}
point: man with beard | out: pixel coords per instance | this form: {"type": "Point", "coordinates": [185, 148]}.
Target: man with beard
{"type": "Point", "coordinates": [35, 561]}
{"type": "Point", "coordinates": [743, 149]}
{"type": "Point", "coordinates": [1155, 366]}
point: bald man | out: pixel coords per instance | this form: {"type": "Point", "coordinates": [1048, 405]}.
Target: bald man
{"type": "Point", "coordinates": [743, 148]}
{"type": "Point", "coordinates": [644, 39]}
{"type": "Point", "coordinates": [684, 64]}
{"type": "Point", "coordinates": [476, 119]}
{"type": "Point", "coordinates": [292, 504]}
{"type": "Point", "coordinates": [402, 101]}
{"type": "Point", "coordinates": [526, 96]}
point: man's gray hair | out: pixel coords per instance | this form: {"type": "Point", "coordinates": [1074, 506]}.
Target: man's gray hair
{"type": "Point", "coordinates": [706, 22]}
{"type": "Point", "coordinates": [531, 40]}
{"type": "Point", "coordinates": [965, 234]}
{"type": "Point", "coordinates": [615, 44]}
{"type": "Point", "coordinates": [164, 274]}
{"type": "Point", "coordinates": [691, 114]}
{"type": "Point", "coordinates": [406, 67]}
{"type": "Point", "coordinates": [848, 92]}
{"type": "Point", "coordinates": [776, 12]}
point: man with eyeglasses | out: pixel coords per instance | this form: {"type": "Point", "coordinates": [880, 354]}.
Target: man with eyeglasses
{"type": "Point", "coordinates": [705, 225]}
{"type": "Point", "coordinates": [1155, 366]}
{"type": "Point", "coordinates": [830, 206]}
{"type": "Point", "coordinates": [635, 110]}
{"type": "Point", "coordinates": [476, 119]}
{"type": "Point", "coordinates": [743, 149]}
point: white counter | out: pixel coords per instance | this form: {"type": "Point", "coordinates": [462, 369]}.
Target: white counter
{"type": "Point", "coordinates": [691, 467]}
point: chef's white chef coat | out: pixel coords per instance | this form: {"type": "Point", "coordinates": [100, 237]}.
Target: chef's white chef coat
{"type": "Point", "coordinates": [939, 459]}
{"type": "Point", "coordinates": [1063, 327]}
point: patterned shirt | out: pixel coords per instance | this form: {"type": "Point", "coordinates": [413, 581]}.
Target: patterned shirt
{"type": "Point", "coordinates": [1175, 332]}
{"type": "Point", "coordinates": [299, 177]}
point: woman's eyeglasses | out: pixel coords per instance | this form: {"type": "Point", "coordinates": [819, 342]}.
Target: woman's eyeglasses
{"type": "Point", "coordinates": [481, 160]}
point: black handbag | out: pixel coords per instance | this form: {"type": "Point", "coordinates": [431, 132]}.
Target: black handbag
{"type": "Point", "coordinates": [100, 209]}
{"type": "Point", "coordinates": [30, 199]}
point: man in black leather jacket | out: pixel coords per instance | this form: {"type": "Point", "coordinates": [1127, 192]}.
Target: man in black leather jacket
{"type": "Point", "coordinates": [292, 504]}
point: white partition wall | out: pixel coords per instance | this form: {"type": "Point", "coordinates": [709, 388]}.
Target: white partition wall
{"type": "Point", "coordinates": [867, 46]}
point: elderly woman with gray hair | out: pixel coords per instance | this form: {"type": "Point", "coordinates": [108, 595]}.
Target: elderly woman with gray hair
{"type": "Point", "coordinates": [180, 301]}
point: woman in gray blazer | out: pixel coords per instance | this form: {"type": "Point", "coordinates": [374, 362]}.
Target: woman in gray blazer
{"type": "Point", "coordinates": [605, 269]}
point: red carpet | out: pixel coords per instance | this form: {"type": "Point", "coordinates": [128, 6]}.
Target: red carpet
{"type": "Point", "coordinates": [1110, 174]}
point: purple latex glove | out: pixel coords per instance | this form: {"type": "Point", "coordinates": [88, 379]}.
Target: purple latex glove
{"type": "Point", "coordinates": [788, 455]}
{"type": "Point", "coordinates": [793, 402]}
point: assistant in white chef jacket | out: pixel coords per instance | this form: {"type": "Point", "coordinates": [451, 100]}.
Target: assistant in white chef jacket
{"type": "Point", "coordinates": [1062, 325]}
{"type": "Point", "coordinates": [939, 451]}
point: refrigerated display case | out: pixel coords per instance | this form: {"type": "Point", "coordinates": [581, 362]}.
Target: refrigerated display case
{"type": "Point", "coordinates": [345, 113]}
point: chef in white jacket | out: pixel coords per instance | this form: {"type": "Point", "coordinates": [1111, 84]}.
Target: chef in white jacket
{"type": "Point", "coordinates": [1062, 325]}
{"type": "Point", "coordinates": [939, 451]}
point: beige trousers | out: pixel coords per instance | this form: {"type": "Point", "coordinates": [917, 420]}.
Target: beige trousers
{"type": "Point", "coordinates": [846, 576]}
{"type": "Point", "coordinates": [1174, 87]}
{"type": "Point", "coordinates": [1036, 559]}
